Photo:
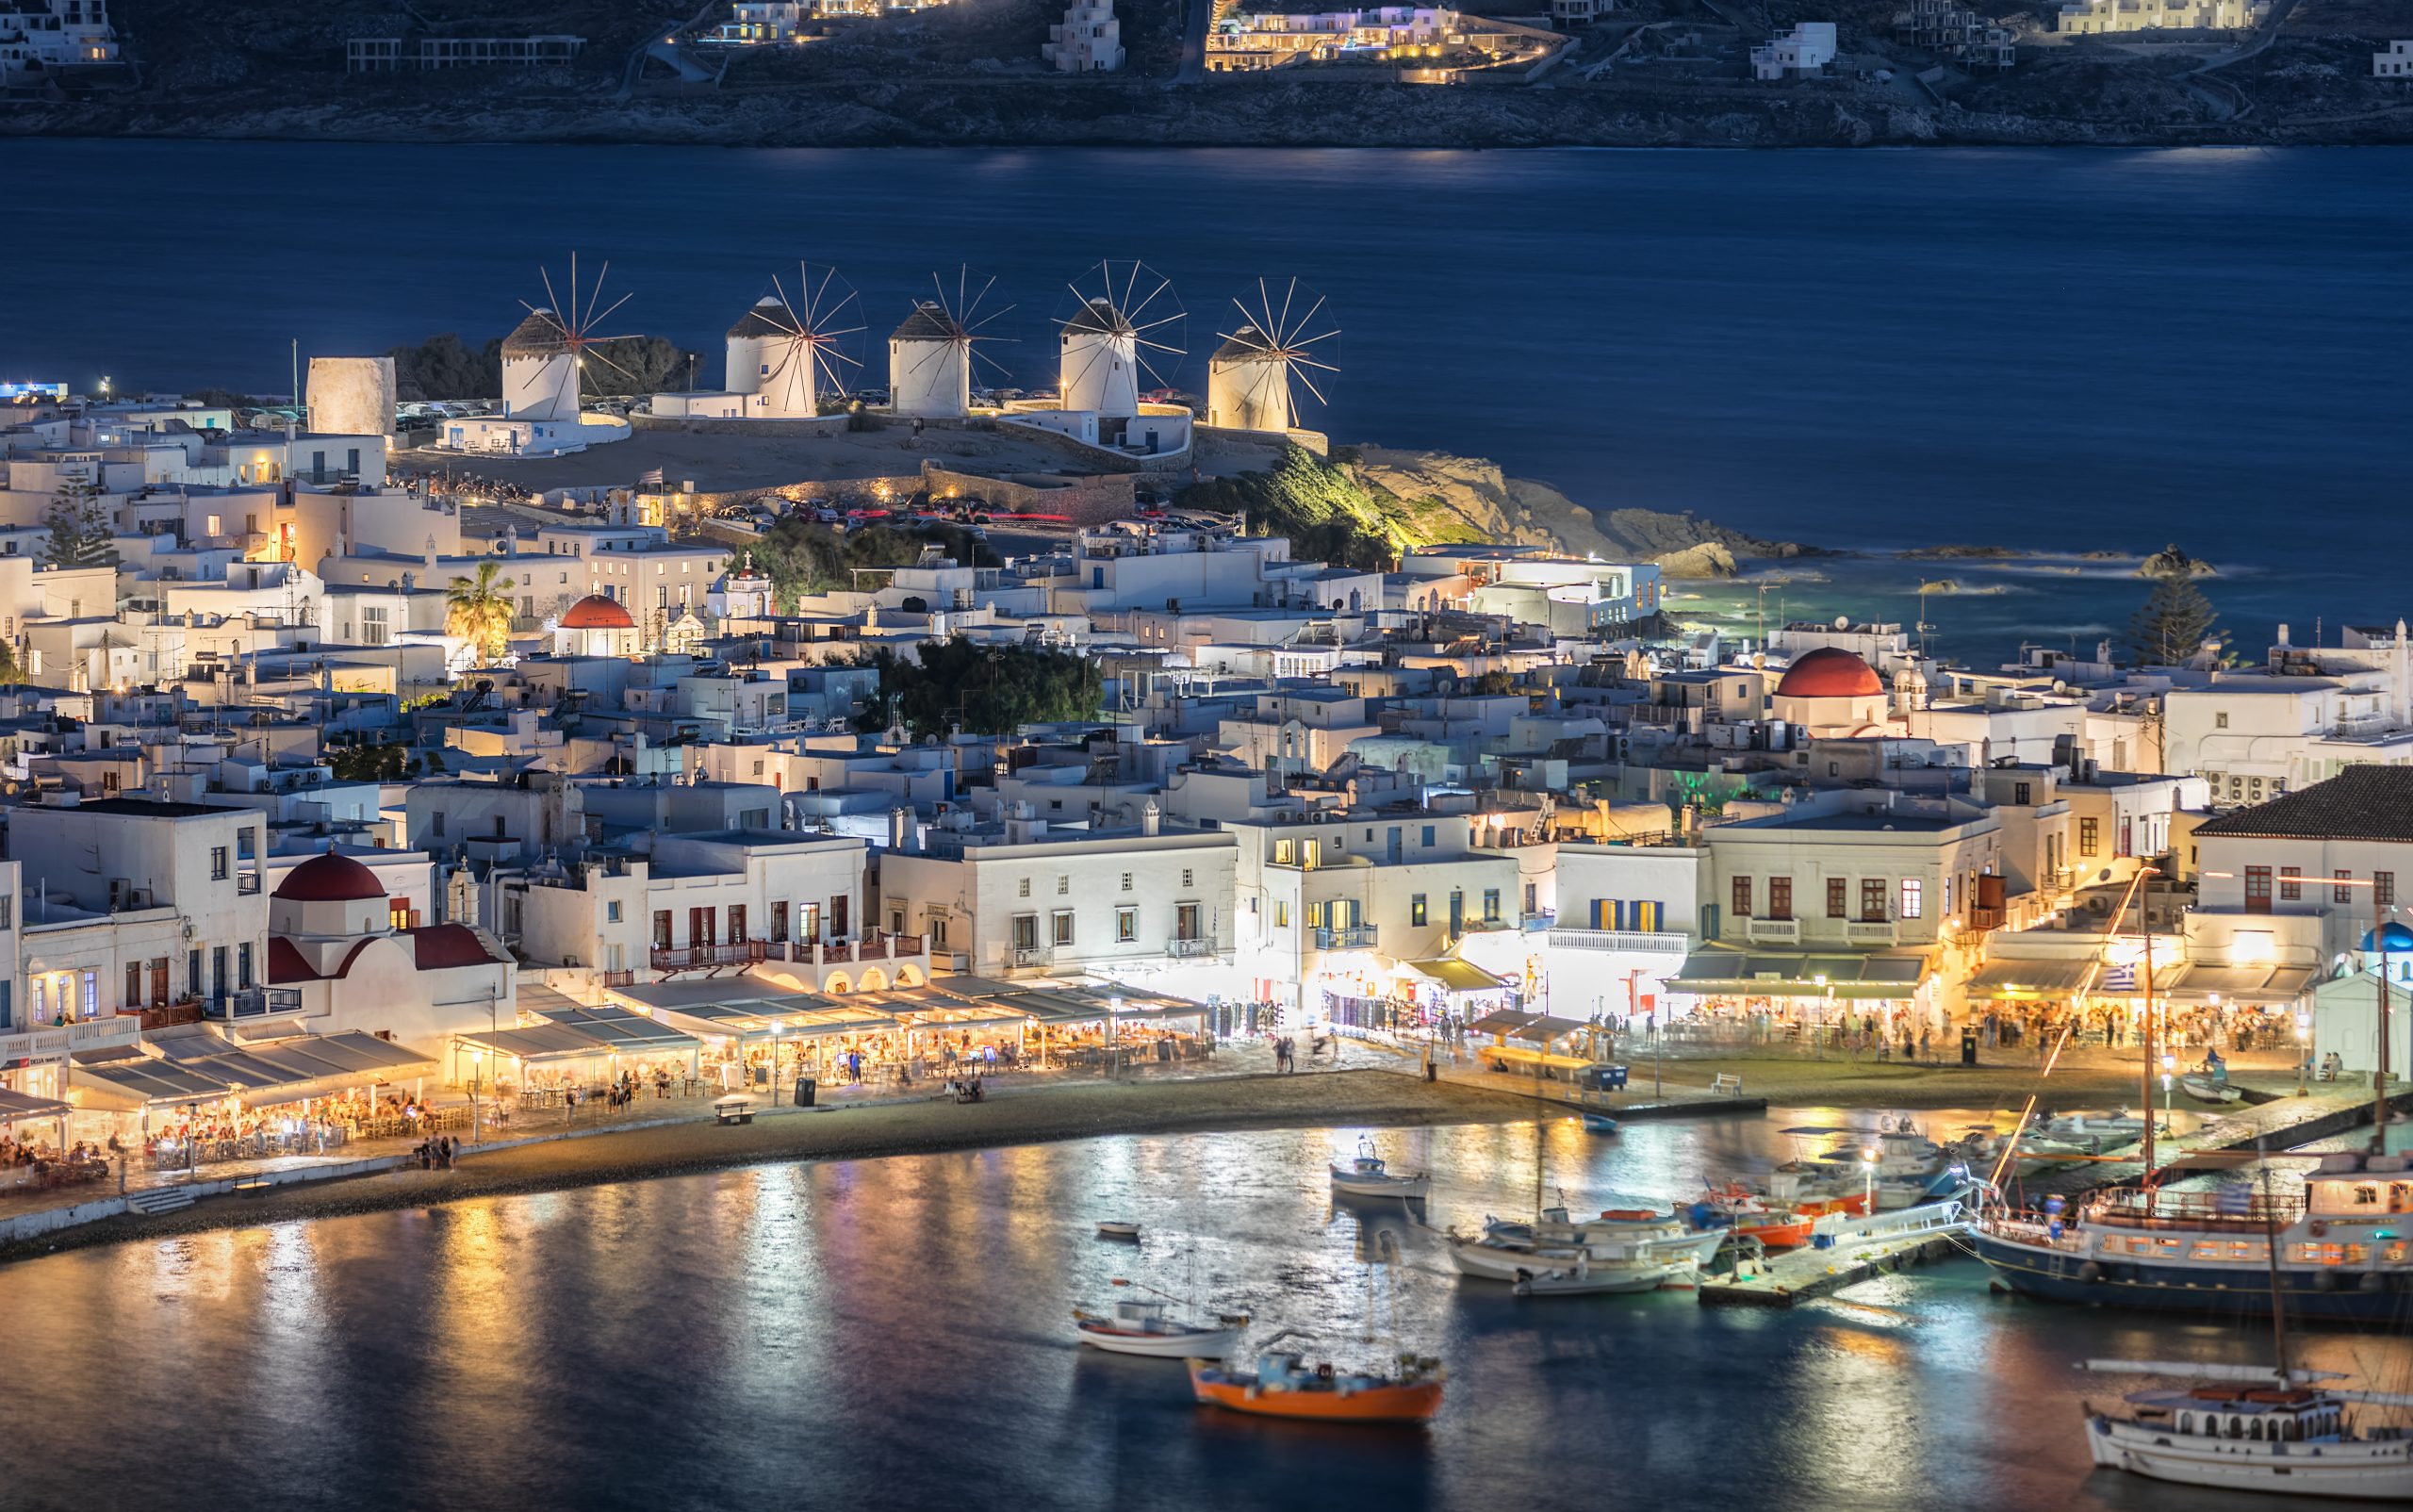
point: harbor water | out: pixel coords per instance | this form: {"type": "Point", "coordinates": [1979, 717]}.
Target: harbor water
{"type": "Point", "coordinates": [895, 1333]}
{"type": "Point", "coordinates": [2059, 350]}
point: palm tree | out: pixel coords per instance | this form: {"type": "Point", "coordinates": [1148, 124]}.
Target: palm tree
{"type": "Point", "coordinates": [476, 610]}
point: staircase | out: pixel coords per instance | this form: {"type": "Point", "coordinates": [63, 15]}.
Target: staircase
{"type": "Point", "coordinates": [152, 1201]}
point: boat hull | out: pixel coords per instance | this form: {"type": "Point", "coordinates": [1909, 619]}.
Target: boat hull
{"type": "Point", "coordinates": [1413, 1402]}
{"type": "Point", "coordinates": [1593, 1281]}
{"type": "Point", "coordinates": [2242, 1291]}
{"type": "Point", "coordinates": [1216, 1343]}
{"type": "Point", "coordinates": [1354, 1186]}
{"type": "Point", "coordinates": [2380, 1471]}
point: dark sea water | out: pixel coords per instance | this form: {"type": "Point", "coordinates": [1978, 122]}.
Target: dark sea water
{"type": "Point", "coordinates": [894, 1333]}
{"type": "Point", "coordinates": [2085, 350]}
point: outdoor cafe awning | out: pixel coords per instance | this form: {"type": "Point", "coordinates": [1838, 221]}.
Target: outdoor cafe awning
{"type": "Point", "coordinates": [1756, 974]}
{"type": "Point", "coordinates": [144, 1081]}
{"type": "Point", "coordinates": [2029, 980]}
{"type": "Point", "coordinates": [1457, 976]}
{"type": "Point", "coordinates": [15, 1104]}
{"type": "Point", "coordinates": [2246, 986]}
{"type": "Point", "coordinates": [537, 1043]}
{"type": "Point", "coordinates": [626, 1032]}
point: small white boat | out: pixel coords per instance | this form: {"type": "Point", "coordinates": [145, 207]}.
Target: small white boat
{"type": "Point", "coordinates": [2208, 1089]}
{"type": "Point", "coordinates": [1591, 1277]}
{"type": "Point", "coordinates": [1117, 1228]}
{"type": "Point", "coordinates": [1143, 1325]}
{"type": "Point", "coordinates": [1368, 1177]}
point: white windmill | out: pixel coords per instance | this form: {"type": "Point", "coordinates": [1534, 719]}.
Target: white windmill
{"type": "Point", "coordinates": [930, 355]}
{"type": "Point", "coordinates": [788, 353]}
{"type": "Point", "coordinates": [544, 354]}
{"type": "Point", "coordinates": [1281, 338]}
{"type": "Point", "coordinates": [1120, 312]}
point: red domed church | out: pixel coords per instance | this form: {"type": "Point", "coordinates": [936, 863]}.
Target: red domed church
{"type": "Point", "coordinates": [332, 936]}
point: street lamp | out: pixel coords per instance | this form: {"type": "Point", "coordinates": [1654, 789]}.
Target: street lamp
{"type": "Point", "coordinates": [477, 1073]}
{"type": "Point", "coordinates": [1113, 1010]}
{"type": "Point", "coordinates": [1868, 1179]}
{"type": "Point", "coordinates": [1826, 1005]}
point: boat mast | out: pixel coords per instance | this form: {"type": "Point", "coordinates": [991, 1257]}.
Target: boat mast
{"type": "Point", "coordinates": [2150, 1055]}
{"type": "Point", "coordinates": [2271, 1258]}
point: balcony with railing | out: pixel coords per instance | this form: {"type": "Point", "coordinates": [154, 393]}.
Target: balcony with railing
{"type": "Point", "coordinates": [1875, 933]}
{"type": "Point", "coordinates": [1184, 947]}
{"type": "Point", "coordinates": [707, 957]}
{"type": "Point", "coordinates": [1346, 937]}
{"type": "Point", "coordinates": [1029, 956]}
{"type": "Point", "coordinates": [875, 946]}
{"type": "Point", "coordinates": [253, 1002]}
{"type": "Point", "coordinates": [1772, 931]}
{"type": "Point", "coordinates": [1638, 942]}
{"type": "Point", "coordinates": [42, 1041]}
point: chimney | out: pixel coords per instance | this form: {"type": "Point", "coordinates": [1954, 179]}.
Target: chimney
{"type": "Point", "coordinates": [900, 829]}
{"type": "Point", "coordinates": [1152, 819]}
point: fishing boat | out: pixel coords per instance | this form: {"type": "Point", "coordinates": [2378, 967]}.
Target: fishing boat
{"type": "Point", "coordinates": [2341, 1250]}
{"type": "Point", "coordinates": [2207, 1088]}
{"type": "Point", "coordinates": [1600, 1124]}
{"type": "Point", "coordinates": [1586, 1277]}
{"type": "Point", "coordinates": [1283, 1386]}
{"type": "Point", "coordinates": [1558, 1240]}
{"type": "Point", "coordinates": [1117, 1228]}
{"type": "Point", "coordinates": [1146, 1326]}
{"type": "Point", "coordinates": [1368, 1177]}
{"type": "Point", "coordinates": [2255, 1428]}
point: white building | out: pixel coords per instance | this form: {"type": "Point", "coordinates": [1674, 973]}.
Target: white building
{"type": "Point", "coordinates": [199, 862]}
{"type": "Point", "coordinates": [1807, 49]}
{"type": "Point", "coordinates": [39, 37]}
{"type": "Point", "coordinates": [1088, 41]}
{"type": "Point", "coordinates": [2298, 880]}
{"type": "Point", "coordinates": [2097, 17]}
{"type": "Point", "coordinates": [2396, 63]}
{"type": "Point", "coordinates": [1020, 896]}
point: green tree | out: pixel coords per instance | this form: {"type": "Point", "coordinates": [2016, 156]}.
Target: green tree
{"type": "Point", "coordinates": [987, 689]}
{"type": "Point", "coordinates": [378, 761]}
{"type": "Point", "coordinates": [2175, 618]}
{"type": "Point", "coordinates": [1326, 510]}
{"type": "Point", "coordinates": [801, 557]}
{"type": "Point", "coordinates": [80, 536]}
{"type": "Point", "coordinates": [477, 610]}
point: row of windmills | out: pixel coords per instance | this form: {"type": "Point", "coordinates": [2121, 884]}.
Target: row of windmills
{"type": "Point", "coordinates": [1119, 335]}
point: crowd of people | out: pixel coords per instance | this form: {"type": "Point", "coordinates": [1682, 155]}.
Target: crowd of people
{"type": "Point", "coordinates": [38, 1162]}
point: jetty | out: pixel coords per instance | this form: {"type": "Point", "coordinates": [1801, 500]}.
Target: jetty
{"type": "Point", "coordinates": [2280, 1125]}
{"type": "Point", "coordinates": [1843, 1250]}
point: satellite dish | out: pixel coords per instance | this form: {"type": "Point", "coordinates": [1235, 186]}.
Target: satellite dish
{"type": "Point", "coordinates": [1842, 621]}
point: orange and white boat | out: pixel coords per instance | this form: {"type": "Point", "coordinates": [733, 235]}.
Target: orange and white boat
{"type": "Point", "coordinates": [1777, 1226]}
{"type": "Point", "coordinates": [1282, 1385]}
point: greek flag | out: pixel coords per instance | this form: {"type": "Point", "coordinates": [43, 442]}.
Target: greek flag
{"type": "Point", "coordinates": [2233, 1200]}
{"type": "Point", "coordinates": [651, 479]}
{"type": "Point", "coordinates": [2120, 979]}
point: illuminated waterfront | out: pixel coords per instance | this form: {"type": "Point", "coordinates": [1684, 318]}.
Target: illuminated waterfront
{"type": "Point", "coordinates": [894, 1333]}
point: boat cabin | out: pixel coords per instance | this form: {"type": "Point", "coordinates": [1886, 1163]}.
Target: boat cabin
{"type": "Point", "coordinates": [2253, 1414]}
{"type": "Point", "coordinates": [2372, 1191]}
